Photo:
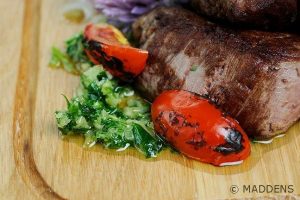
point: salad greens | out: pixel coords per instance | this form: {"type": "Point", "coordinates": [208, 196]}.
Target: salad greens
{"type": "Point", "coordinates": [104, 110]}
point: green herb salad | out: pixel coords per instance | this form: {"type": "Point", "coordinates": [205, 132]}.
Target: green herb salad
{"type": "Point", "coordinates": [104, 110]}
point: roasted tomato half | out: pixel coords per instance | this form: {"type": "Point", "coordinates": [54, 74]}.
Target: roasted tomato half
{"type": "Point", "coordinates": [194, 126]}
{"type": "Point", "coordinates": [106, 45]}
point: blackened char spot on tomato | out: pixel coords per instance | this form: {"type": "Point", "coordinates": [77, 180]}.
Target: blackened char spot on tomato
{"type": "Point", "coordinates": [110, 62]}
{"type": "Point", "coordinates": [233, 143]}
{"type": "Point", "coordinates": [188, 124]}
{"type": "Point", "coordinates": [162, 129]}
{"type": "Point", "coordinates": [197, 141]}
{"type": "Point", "coordinates": [173, 118]}
{"type": "Point", "coordinates": [176, 119]}
{"type": "Point", "coordinates": [180, 121]}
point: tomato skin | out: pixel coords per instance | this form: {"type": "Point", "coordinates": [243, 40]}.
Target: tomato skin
{"type": "Point", "coordinates": [107, 46]}
{"type": "Point", "coordinates": [194, 126]}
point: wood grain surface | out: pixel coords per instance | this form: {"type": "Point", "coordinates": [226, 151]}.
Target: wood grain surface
{"type": "Point", "coordinates": [37, 164]}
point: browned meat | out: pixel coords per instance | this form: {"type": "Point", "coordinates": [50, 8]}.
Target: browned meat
{"type": "Point", "coordinates": [252, 75]}
{"type": "Point", "coordinates": [262, 13]}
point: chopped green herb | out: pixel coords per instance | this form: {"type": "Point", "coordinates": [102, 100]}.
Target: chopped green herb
{"type": "Point", "coordinates": [61, 60]}
{"type": "Point", "coordinates": [74, 60]}
{"type": "Point", "coordinates": [105, 111]}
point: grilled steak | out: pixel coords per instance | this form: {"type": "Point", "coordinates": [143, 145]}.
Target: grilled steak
{"type": "Point", "coordinates": [262, 13]}
{"type": "Point", "coordinates": [253, 76]}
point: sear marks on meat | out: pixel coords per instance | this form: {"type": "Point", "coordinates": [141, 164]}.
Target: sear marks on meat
{"type": "Point", "coordinates": [259, 13]}
{"type": "Point", "coordinates": [251, 75]}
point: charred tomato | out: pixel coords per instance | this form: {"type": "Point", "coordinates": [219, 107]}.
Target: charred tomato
{"type": "Point", "coordinates": [194, 126]}
{"type": "Point", "coordinates": [106, 45]}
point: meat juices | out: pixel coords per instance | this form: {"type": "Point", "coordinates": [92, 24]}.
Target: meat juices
{"type": "Point", "coordinates": [259, 13]}
{"type": "Point", "coordinates": [254, 76]}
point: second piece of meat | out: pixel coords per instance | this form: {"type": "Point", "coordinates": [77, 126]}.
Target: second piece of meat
{"type": "Point", "coordinates": [275, 14]}
{"type": "Point", "coordinates": [252, 75]}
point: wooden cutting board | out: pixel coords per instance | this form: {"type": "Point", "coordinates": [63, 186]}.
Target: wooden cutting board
{"type": "Point", "coordinates": [37, 164]}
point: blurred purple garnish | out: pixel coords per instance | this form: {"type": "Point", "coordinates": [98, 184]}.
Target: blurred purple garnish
{"type": "Point", "coordinates": [126, 11]}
